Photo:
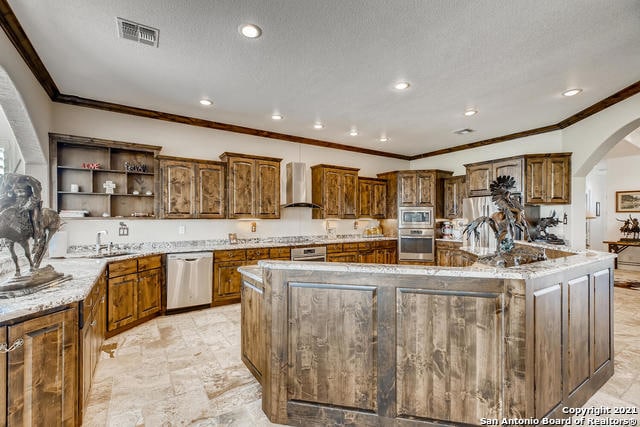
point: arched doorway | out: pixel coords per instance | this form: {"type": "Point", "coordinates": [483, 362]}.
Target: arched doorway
{"type": "Point", "coordinates": [21, 125]}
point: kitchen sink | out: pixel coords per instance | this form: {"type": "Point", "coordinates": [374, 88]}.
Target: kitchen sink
{"type": "Point", "coordinates": [109, 254]}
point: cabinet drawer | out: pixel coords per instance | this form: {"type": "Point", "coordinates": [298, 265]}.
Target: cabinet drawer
{"type": "Point", "coordinates": [120, 268]}
{"type": "Point", "coordinates": [231, 255]}
{"type": "Point", "coordinates": [349, 247]}
{"type": "Point", "coordinates": [257, 253]}
{"type": "Point", "coordinates": [334, 248]}
{"type": "Point", "coordinates": [365, 246]}
{"type": "Point", "coordinates": [149, 263]}
{"type": "Point", "coordinates": [280, 253]}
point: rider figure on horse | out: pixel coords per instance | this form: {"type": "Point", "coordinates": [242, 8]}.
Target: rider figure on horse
{"type": "Point", "coordinates": [24, 193]}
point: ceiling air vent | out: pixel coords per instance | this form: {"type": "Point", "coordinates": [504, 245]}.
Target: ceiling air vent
{"type": "Point", "coordinates": [463, 131]}
{"type": "Point", "coordinates": [139, 33]}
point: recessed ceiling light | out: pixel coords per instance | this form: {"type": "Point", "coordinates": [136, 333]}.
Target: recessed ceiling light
{"type": "Point", "coordinates": [470, 112]}
{"type": "Point", "coordinates": [463, 131]}
{"type": "Point", "coordinates": [353, 132]}
{"type": "Point", "coordinates": [251, 31]}
{"type": "Point", "coordinates": [383, 139]}
{"type": "Point", "coordinates": [205, 102]}
{"type": "Point", "coordinates": [571, 92]}
{"type": "Point", "coordinates": [318, 125]}
{"type": "Point", "coordinates": [402, 85]}
{"type": "Point", "coordinates": [277, 116]}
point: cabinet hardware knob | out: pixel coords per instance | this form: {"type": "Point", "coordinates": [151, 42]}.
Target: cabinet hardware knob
{"type": "Point", "coordinates": [93, 324]}
{"type": "Point", "coordinates": [16, 344]}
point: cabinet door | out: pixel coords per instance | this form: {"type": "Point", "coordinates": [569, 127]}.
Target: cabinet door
{"type": "Point", "coordinates": [267, 189]}
{"type": "Point", "coordinates": [454, 193]}
{"type": "Point", "coordinates": [87, 343]}
{"type": "Point", "coordinates": [558, 176]}
{"type": "Point", "coordinates": [331, 190]}
{"type": "Point", "coordinates": [252, 326]}
{"type": "Point", "coordinates": [364, 198]}
{"type": "Point", "coordinates": [122, 301]}
{"type": "Point", "coordinates": [407, 187]}
{"type": "Point", "coordinates": [241, 188]}
{"type": "Point", "coordinates": [378, 200]}
{"type": "Point", "coordinates": [42, 373]}
{"type": "Point", "coordinates": [479, 179]}
{"type": "Point", "coordinates": [227, 282]}
{"type": "Point", "coordinates": [149, 299]}
{"type": "Point", "coordinates": [536, 182]}
{"type": "Point", "coordinates": [367, 257]}
{"type": "Point", "coordinates": [3, 379]}
{"type": "Point", "coordinates": [178, 189]}
{"type": "Point", "coordinates": [349, 195]}
{"type": "Point", "coordinates": [426, 188]}
{"type": "Point", "coordinates": [443, 257]}
{"type": "Point", "coordinates": [511, 167]}
{"type": "Point", "coordinates": [211, 191]}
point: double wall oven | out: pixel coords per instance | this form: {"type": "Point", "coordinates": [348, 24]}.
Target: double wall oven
{"type": "Point", "coordinates": [415, 233]}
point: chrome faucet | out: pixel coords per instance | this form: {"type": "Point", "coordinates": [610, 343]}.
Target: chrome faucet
{"type": "Point", "coordinates": [99, 245]}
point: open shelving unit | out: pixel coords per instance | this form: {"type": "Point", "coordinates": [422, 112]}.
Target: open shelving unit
{"type": "Point", "coordinates": [69, 153]}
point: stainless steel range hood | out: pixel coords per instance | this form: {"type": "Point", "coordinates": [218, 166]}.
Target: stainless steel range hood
{"type": "Point", "coordinates": [297, 187]}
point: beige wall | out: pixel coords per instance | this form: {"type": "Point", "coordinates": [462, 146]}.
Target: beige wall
{"type": "Point", "coordinates": [190, 141]}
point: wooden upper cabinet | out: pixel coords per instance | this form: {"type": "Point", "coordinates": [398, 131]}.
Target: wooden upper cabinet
{"type": "Point", "coordinates": [416, 188]}
{"type": "Point", "coordinates": [178, 189]}
{"type": "Point", "coordinates": [407, 189]}
{"type": "Point", "coordinates": [350, 195]}
{"type": "Point", "coordinates": [241, 187]}
{"type": "Point", "coordinates": [192, 188]}
{"type": "Point", "coordinates": [455, 189]}
{"type": "Point", "coordinates": [479, 177]}
{"type": "Point", "coordinates": [548, 178]}
{"type": "Point", "coordinates": [211, 179]}
{"type": "Point", "coordinates": [253, 186]}
{"type": "Point", "coordinates": [425, 188]}
{"type": "Point", "coordinates": [335, 188]}
{"type": "Point", "coordinates": [543, 178]}
{"type": "Point", "coordinates": [268, 189]}
{"type": "Point", "coordinates": [513, 168]}
{"type": "Point", "coordinates": [372, 197]}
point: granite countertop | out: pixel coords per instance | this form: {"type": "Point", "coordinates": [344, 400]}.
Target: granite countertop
{"type": "Point", "coordinates": [525, 271]}
{"type": "Point", "coordinates": [85, 270]}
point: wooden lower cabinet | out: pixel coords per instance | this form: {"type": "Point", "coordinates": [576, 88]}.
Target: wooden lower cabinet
{"type": "Point", "coordinates": [135, 295]}
{"type": "Point", "coordinates": [92, 333]}
{"type": "Point", "coordinates": [42, 382]}
{"type": "Point", "coordinates": [123, 301]}
{"type": "Point", "coordinates": [253, 327]}
{"type": "Point", "coordinates": [149, 293]}
{"type": "Point", "coordinates": [227, 282]}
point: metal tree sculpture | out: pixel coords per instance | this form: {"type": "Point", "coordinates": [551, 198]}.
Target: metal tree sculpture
{"type": "Point", "coordinates": [510, 215]}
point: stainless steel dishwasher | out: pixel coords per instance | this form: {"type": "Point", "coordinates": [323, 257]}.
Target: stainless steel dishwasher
{"type": "Point", "coordinates": [189, 279]}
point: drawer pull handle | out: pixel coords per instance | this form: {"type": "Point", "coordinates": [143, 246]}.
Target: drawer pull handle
{"type": "Point", "coordinates": [16, 344]}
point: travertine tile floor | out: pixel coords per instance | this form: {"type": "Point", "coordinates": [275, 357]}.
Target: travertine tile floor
{"type": "Point", "coordinates": [185, 369]}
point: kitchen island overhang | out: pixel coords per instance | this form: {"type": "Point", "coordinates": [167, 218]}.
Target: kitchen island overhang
{"type": "Point", "coordinates": [406, 345]}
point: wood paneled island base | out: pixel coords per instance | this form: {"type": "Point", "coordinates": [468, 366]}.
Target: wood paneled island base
{"type": "Point", "coordinates": [383, 345]}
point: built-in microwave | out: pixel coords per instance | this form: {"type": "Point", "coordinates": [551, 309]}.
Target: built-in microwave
{"type": "Point", "coordinates": [415, 217]}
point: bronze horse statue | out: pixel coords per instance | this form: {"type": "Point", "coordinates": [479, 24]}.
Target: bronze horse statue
{"type": "Point", "coordinates": [16, 227]}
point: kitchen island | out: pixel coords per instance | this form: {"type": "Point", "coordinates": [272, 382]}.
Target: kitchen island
{"type": "Point", "coordinates": [336, 344]}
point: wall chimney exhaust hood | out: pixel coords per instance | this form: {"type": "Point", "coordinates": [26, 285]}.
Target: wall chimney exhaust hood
{"type": "Point", "coordinates": [297, 187]}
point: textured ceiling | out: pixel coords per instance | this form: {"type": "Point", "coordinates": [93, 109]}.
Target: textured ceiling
{"type": "Point", "coordinates": [336, 61]}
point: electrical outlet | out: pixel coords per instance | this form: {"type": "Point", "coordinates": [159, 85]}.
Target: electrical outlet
{"type": "Point", "coordinates": [182, 229]}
